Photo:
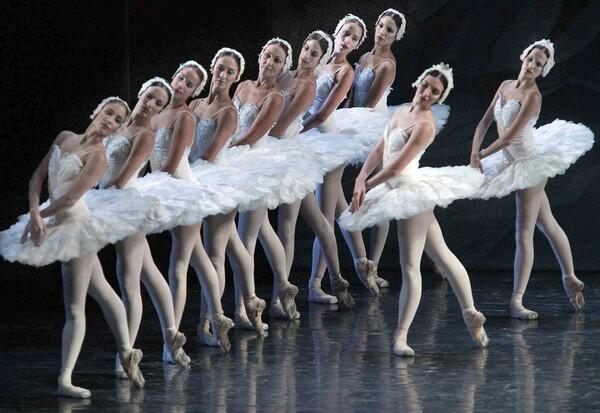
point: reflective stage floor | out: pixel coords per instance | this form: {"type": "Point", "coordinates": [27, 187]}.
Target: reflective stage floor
{"type": "Point", "coordinates": [336, 361]}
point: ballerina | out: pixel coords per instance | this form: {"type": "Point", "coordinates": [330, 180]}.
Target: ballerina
{"type": "Point", "coordinates": [216, 122]}
{"type": "Point", "coordinates": [127, 153]}
{"type": "Point", "coordinates": [403, 191]}
{"type": "Point", "coordinates": [68, 230]}
{"type": "Point", "coordinates": [299, 89]}
{"type": "Point", "coordinates": [528, 157]}
{"type": "Point", "coordinates": [174, 132]}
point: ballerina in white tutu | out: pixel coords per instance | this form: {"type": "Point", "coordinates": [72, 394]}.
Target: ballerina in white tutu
{"type": "Point", "coordinates": [174, 137]}
{"type": "Point", "coordinates": [403, 191]}
{"type": "Point", "coordinates": [216, 122]}
{"type": "Point", "coordinates": [299, 89]}
{"type": "Point", "coordinates": [73, 165]}
{"type": "Point", "coordinates": [522, 159]}
{"type": "Point", "coordinates": [128, 152]}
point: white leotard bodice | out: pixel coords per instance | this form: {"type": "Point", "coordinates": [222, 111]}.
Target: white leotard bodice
{"type": "Point", "coordinates": [363, 80]}
{"type": "Point", "coordinates": [117, 149]}
{"type": "Point", "coordinates": [325, 83]}
{"type": "Point", "coordinates": [160, 155]}
{"type": "Point", "coordinates": [63, 169]}
{"type": "Point", "coordinates": [523, 145]}
{"type": "Point", "coordinates": [204, 137]}
{"type": "Point", "coordinates": [394, 141]}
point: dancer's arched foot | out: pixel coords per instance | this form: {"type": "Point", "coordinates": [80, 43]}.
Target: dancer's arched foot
{"type": "Point", "coordinates": [400, 348]}
{"type": "Point", "coordinates": [205, 337]}
{"type": "Point", "coordinates": [381, 282]}
{"type": "Point", "coordinates": [474, 321]}
{"type": "Point", "coordinates": [317, 295]}
{"type": "Point", "coordinates": [573, 287]}
{"type": "Point", "coordinates": [68, 390]}
{"type": "Point", "coordinates": [517, 310]}
{"type": "Point", "coordinates": [174, 343]}
{"type": "Point", "coordinates": [254, 308]}
{"type": "Point", "coordinates": [119, 372]}
{"type": "Point", "coordinates": [287, 296]}
{"type": "Point", "coordinates": [130, 360]}
{"type": "Point", "coordinates": [366, 269]}
{"type": "Point", "coordinates": [222, 325]}
{"type": "Point", "coordinates": [340, 288]}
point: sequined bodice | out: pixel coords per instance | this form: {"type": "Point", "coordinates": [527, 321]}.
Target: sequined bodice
{"type": "Point", "coordinates": [160, 155]}
{"type": "Point", "coordinates": [63, 169]}
{"type": "Point", "coordinates": [524, 144]}
{"type": "Point", "coordinates": [325, 83]}
{"type": "Point", "coordinates": [363, 80]}
{"type": "Point", "coordinates": [247, 113]}
{"type": "Point", "coordinates": [117, 150]}
{"type": "Point", "coordinates": [295, 127]}
{"type": "Point", "coordinates": [394, 141]}
{"type": "Point", "coordinates": [203, 139]}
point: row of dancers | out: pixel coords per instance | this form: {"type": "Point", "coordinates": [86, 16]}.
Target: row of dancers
{"type": "Point", "coordinates": [282, 141]}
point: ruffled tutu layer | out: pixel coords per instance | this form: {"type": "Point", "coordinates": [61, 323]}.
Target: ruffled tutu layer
{"type": "Point", "coordinates": [274, 172]}
{"type": "Point", "coordinates": [413, 194]}
{"type": "Point", "coordinates": [558, 145]}
{"type": "Point", "coordinates": [113, 214]}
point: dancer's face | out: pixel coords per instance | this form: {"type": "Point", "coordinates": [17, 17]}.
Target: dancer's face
{"type": "Point", "coordinates": [385, 31]}
{"type": "Point", "coordinates": [429, 91]}
{"type": "Point", "coordinates": [347, 38]}
{"type": "Point", "coordinates": [272, 60]}
{"type": "Point", "coordinates": [310, 55]}
{"type": "Point", "coordinates": [110, 118]}
{"type": "Point", "coordinates": [225, 72]}
{"type": "Point", "coordinates": [533, 64]}
{"type": "Point", "coordinates": [152, 101]}
{"type": "Point", "coordinates": [184, 83]}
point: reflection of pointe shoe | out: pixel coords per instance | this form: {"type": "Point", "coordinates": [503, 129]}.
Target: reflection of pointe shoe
{"type": "Point", "coordinates": [517, 310]}
{"type": "Point", "coordinates": [365, 269]}
{"type": "Point", "coordinates": [317, 295]}
{"type": "Point", "coordinates": [287, 297]}
{"type": "Point", "coordinates": [474, 321]}
{"type": "Point", "coordinates": [68, 390]}
{"type": "Point", "coordinates": [205, 337]}
{"type": "Point", "coordinates": [573, 287]}
{"type": "Point", "coordinates": [119, 372]}
{"type": "Point", "coordinates": [130, 362]}
{"type": "Point", "coordinates": [222, 325]}
{"type": "Point", "coordinates": [340, 288]}
{"type": "Point", "coordinates": [254, 308]}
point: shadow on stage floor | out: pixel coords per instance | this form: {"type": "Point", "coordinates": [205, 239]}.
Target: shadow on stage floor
{"type": "Point", "coordinates": [334, 361]}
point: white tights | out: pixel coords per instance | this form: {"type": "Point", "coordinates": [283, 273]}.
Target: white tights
{"type": "Point", "coordinates": [135, 264]}
{"type": "Point", "coordinates": [533, 209]}
{"type": "Point", "coordinates": [416, 234]}
{"type": "Point", "coordinates": [187, 249]}
{"type": "Point", "coordinates": [81, 276]}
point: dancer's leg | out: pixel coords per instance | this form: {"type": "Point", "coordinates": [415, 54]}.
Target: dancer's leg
{"type": "Point", "coordinates": [130, 256]}
{"type": "Point", "coordinates": [379, 235]}
{"type": "Point", "coordinates": [412, 234]}
{"type": "Point", "coordinates": [286, 230]}
{"type": "Point", "coordinates": [562, 251]}
{"type": "Point", "coordinates": [528, 206]}
{"type": "Point", "coordinates": [438, 251]}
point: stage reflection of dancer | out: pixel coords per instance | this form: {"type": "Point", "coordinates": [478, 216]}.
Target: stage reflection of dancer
{"type": "Point", "coordinates": [74, 233]}
{"type": "Point", "coordinates": [299, 89]}
{"type": "Point", "coordinates": [528, 157]}
{"type": "Point", "coordinates": [333, 84]}
{"type": "Point", "coordinates": [403, 191]}
{"type": "Point", "coordinates": [216, 123]}
{"type": "Point", "coordinates": [128, 152]}
{"type": "Point", "coordinates": [174, 137]}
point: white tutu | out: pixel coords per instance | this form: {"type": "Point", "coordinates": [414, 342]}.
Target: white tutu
{"type": "Point", "coordinates": [557, 146]}
{"type": "Point", "coordinates": [113, 214]}
{"type": "Point", "coordinates": [413, 193]}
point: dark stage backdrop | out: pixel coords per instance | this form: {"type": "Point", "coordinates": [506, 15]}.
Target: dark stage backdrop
{"type": "Point", "coordinates": [59, 59]}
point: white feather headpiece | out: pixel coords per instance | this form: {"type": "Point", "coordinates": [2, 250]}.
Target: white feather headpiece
{"type": "Point", "coordinates": [402, 27]}
{"type": "Point", "coordinates": [360, 21]}
{"type": "Point", "coordinates": [198, 66]}
{"type": "Point", "coordinates": [157, 81]}
{"type": "Point", "coordinates": [548, 45]}
{"type": "Point", "coordinates": [287, 48]}
{"type": "Point", "coordinates": [106, 101]}
{"type": "Point", "coordinates": [327, 53]}
{"type": "Point", "coordinates": [224, 50]}
{"type": "Point", "coordinates": [444, 69]}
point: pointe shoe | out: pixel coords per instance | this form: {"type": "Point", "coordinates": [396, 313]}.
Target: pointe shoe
{"type": "Point", "coordinates": [174, 344]}
{"type": "Point", "coordinates": [254, 308]}
{"type": "Point", "coordinates": [68, 390]}
{"type": "Point", "coordinates": [287, 296]}
{"type": "Point", "coordinates": [402, 349]}
{"type": "Point", "coordinates": [317, 295]}
{"type": "Point", "coordinates": [340, 288]}
{"type": "Point", "coordinates": [573, 287]}
{"type": "Point", "coordinates": [205, 337]}
{"type": "Point", "coordinates": [474, 321]}
{"type": "Point", "coordinates": [365, 269]}
{"type": "Point", "coordinates": [517, 310]}
{"type": "Point", "coordinates": [222, 325]}
{"type": "Point", "coordinates": [119, 372]}
{"type": "Point", "coordinates": [130, 363]}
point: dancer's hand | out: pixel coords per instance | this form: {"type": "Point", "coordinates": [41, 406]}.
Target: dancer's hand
{"type": "Point", "coordinates": [358, 195]}
{"type": "Point", "coordinates": [476, 161]}
{"type": "Point", "coordinates": [37, 228]}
